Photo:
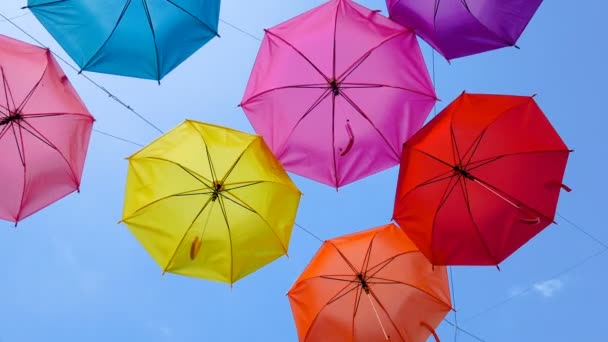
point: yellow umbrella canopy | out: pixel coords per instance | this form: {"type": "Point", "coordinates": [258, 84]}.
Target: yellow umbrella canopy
{"type": "Point", "coordinates": [210, 202]}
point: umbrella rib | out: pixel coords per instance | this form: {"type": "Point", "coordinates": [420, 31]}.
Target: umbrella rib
{"type": "Point", "coordinates": [299, 86]}
{"type": "Point", "coordinates": [334, 52]}
{"type": "Point", "coordinates": [31, 92]}
{"type": "Point", "coordinates": [315, 104]}
{"type": "Point", "coordinates": [185, 193]}
{"type": "Point", "coordinates": [45, 115]}
{"type": "Point", "coordinates": [367, 258]}
{"type": "Point", "coordinates": [369, 120]}
{"type": "Point", "coordinates": [45, 140]}
{"type": "Point", "coordinates": [338, 279]}
{"type": "Point", "coordinates": [147, 11]}
{"type": "Point", "coordinates": [5, 129]}
{"type": "Point", "coordinates": [314, 321]}
{"type": "Point", "coordinates": [485, 161]}
{"type": "Point", "coordinates": [361, 59]}
{"type": "Point", "coordinates": [360, 85]}
{"type": "Point", "coordinates": [299, 53]}
{"type": "Point", "coordinates": [195, 17]}
{"type": "Point", "coordinates": [385, 263]}
{"type": "Point", "coordinates": [496, 35]}
{"type": "Point", "coordinates": [122, 14]}
{"type": "Point", "coordinates": [446, 194]}
{"type": "Point", "coordinates": [24, 169]}
{"type": "Point", "coordinates": [333, 140]}
{"type": "Point", "coordinates": [247, 207]}
{"type": "Point", "coordinates": [45, 4]}
{"type": "Point", "coordinates": [455, 151]}
{"type": "Point", "coordinates": [397, 282]}
{"type": "Point", "coordinates": [343, 257]}
{"type": "Point", "coordinates": [236, 161]}
{"type": "Point", "coordinates": [19, 147]}
{"type": "Point", "coordinates": [7, 92]}
{"type": "Point", "coordinates": [223, 208]}
{"type": "Point", "coordinates": [194, 175]}
{"type": "Point", "coordinates": [437, 159]}
{"type": "Point", "coordinates": [243, 185]}
{"type": "Point", "coordinates": [469, 211]}
{"type": "Point", "coordinates": [185, 234]}
{"type": "Point", "coordinates": [356, 308]}
{"type": "Point", "coordinates": [474, 146]}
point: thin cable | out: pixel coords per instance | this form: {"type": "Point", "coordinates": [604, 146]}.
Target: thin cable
{"type": "Point", "coordinates": [116, 137]}
{"type": "Point", "coordinates": [15, 17]}
{"type": "Point", "coordinates": [453, 302]}
{"type": "Point", "coordinates": [580, 229]}
{"type": "Point", "coordinates": [531, 287]}
{"type": "Point", "coordinates": [464, 331]}
{"type": "Point", "coordinates": [114, 97]}
{"type": "Point", "coordinates": [309, 232]}
{"type": "Point", "coordinates": [240, 30]}
{"type": "Point", "coordinates": [434, 84]}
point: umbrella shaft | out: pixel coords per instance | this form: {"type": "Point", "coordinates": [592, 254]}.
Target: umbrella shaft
{"type": "Point", "coordinates": [386, 337]}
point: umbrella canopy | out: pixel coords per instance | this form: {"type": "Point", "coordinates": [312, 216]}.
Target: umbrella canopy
{"type": "Point", "coordinates": [370, 286]}
{"type": "Point", "coordinates": [44, 131]}
{"type": "Point", "coordinates": [210, 202]}
{"type": "Point", "coordinates": [337, 90]}
{"type": "Point", "coordinates": [458, 28]}
{"type": "Point", "coordinates": [480, 180]}
{"type": "Point", "coordinates": [143, 39]}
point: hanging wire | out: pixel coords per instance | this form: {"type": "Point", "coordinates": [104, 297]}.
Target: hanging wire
{"type": "Point", "coordinates": [454, 302]}
{"type": "Point", "coordinates": [580, 229]}
{"type": "Point", "coordinates": [465, 331]}
{"type": "Point", "coordinates": [240, 30]}
{"type": "Point", "coordinates": [114, 97]}
{"type": "Point", "coordinates": [15, 17]}
{"type": "Point", "coordinates": [309, 232]}
{"type": "Point", "coordinates": [117, 137]}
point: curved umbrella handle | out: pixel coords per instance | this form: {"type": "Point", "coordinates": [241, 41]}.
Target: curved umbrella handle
{"type": "Point", "coordinates": [195, 247]}
{"type": "Point", "coordinates": [351, 139]}
{"type": "Point", "coordinates": [530, 221]}
{"type": "Point", "coordinates": [560, 184]}
{"type": "Point", "coordinates": [424, 324]}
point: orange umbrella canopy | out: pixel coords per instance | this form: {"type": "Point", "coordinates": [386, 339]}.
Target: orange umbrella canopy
{"type": "Point", "coordinates": [370, 286]}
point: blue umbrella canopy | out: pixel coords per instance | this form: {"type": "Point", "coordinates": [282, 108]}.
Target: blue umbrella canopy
{"type": "Point", "coordinates": [137, 38]}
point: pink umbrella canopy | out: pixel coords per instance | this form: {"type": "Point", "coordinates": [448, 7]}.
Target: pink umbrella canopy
{"type": "Point", "coordinates": [458, 28]}
{"type": "Point", "coordinates": [337, 90]}
{"type": "Point", "coordinates": [44, 131]}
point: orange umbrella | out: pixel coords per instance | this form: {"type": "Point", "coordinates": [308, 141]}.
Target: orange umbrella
{"type": "Point", "coordinates": [370, 286]}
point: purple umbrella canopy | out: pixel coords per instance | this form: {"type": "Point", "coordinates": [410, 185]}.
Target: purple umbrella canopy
{"type": "Point", "coordinates": [458, 28]}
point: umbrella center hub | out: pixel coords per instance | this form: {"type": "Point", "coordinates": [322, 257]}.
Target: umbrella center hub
{"type": "Point", "coordinates": [218, 187]}
{"type": "Point", "coordinates": [13, 116]}
{"type": "Point", "coordinates": [363, 282]}
{"type": "Point", "coordinates": [458, 169]}
{"type": "Point", "coordinates": [335, 87]}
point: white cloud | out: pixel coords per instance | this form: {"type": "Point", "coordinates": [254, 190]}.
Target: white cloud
{"type": "Point", "coordinates": [548, 288]}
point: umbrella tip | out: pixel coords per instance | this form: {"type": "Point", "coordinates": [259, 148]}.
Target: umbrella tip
{"type": "Point", "coordinates": [498, 268]}
{"type": "Point", "coordinates": [515, 46]}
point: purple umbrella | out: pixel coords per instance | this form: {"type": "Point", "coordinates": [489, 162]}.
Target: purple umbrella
{"type": "Point", "coordinates": [458, 28]}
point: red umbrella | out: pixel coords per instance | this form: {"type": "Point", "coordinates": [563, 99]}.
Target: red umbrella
{"type": "Point", "coordinates": [480, 180]}
{"type": "Point", "coordinates": [372, 285]}
{"type": "Point", "coordinates": [44, 130]}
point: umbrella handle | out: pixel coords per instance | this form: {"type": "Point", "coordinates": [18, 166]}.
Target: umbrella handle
{"type": "Point", "coordinates": [530, 221]}
{"type": "Point", "coordinates": [424, 324]}
{"type": "Point", "coordinates": [351, 139]}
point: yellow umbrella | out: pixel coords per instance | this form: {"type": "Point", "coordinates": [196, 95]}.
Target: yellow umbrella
{"type": "Point", "coordinates": [210, 202]}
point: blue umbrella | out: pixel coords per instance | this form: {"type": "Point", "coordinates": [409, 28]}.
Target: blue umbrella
{"type": "Point", "coordinates": [138, 38]}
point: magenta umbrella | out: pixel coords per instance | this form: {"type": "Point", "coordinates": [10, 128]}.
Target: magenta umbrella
{"type": "Point", "coordinates": [44, 131]}
{"type": "Point", "coordinates": [337, 90]}
{"type": "Point", "coordinates": [458, 28]}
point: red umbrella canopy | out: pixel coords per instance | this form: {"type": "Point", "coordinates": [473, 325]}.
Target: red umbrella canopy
{"type": "Point", "coordinates": [480, 180]}
{"type": "Point", "coordinates": [336, 91]}
{"type": "Point", "coordinates": [372, 285]}
{"type": "Point", "coordinates": [44, 130]}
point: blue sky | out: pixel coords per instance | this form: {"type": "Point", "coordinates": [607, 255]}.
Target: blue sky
{"type": "Point", "coordinates": [71, 273]}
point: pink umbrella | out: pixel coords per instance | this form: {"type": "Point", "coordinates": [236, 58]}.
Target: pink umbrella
{"type": "Point", "coordinates": [458, 28]}
{"type": "Point", "coordinates": [337, 90]}
{"type": "Point", "coordinates": [44, 130]}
